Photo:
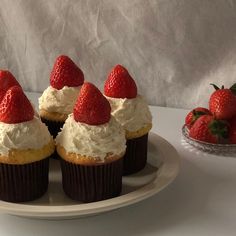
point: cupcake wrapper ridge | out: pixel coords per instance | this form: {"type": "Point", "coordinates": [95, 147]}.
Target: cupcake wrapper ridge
{"type": "Point", "coordinates": [21, 183]}
{"type": "Point", "coordinates": [92, 183]}
{"type": "Point", "coordinates": [135, 157]}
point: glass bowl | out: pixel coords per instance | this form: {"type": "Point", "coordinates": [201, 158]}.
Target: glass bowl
{"type": "Point", "coordinates": [217, 149]}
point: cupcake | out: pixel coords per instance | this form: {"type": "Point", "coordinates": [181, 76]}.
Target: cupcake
{"type": "Point", "coordinates": [58, 100]}
{"type": "Point", "coordinates": [91, 146]}
{"type": "Point", "coordinates": [25, 145]}
{"type": "Point", "coordinates": [132, 112]}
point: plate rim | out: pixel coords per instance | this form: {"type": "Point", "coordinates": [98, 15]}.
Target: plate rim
{"type": "Point", "coordinates": [171, 163]}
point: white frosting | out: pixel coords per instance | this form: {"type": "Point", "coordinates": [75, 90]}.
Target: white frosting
{"type": "Point", "coordinates": [31, 134]}
{"type": "Point", "coordinates": [60, 101]}
{"type": "Point", "coordinates": [92, 140]}
{"type": "Point", "coordinates": [133, 114]}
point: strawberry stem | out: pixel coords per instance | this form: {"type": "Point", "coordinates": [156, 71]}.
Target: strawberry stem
{"type": "Point", "coordinates": [219, 128]}
{"type": "Point", "coordinates": [215, 87]}
{"type": "Point", "coordinates": [197, 114]}
{"type": "Point", "coordinates": [233, 89]}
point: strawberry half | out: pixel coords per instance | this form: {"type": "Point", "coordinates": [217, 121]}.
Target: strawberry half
{"type": "Point", "coordinates": [91, 107]}
{"type": "Point", "coordinates": [210, 130]}
{"type": "Point", "coordinates": [65, 73]}
{"type": "Point", "coordinates": [232, 133]}
{"type": "Point", "coordinates": [7, 80]}
{"type": "Point", "coordinates": [193, 115]}
{"type": "Point", "coordinates": [15, 107]}
{"type": "Point", "coordinates": [222, 103]}
{"type": "Point", "coordinates": [120, 84]}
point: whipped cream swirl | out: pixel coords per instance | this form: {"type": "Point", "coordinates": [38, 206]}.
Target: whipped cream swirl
{"type": "Point", "coordinates": [60, 101]}
{"type": "Point", "coordinates": [31, 134]}
{"type": "Point", "coordinates": [133, 114]}
{"type": "Point", "coordinates": [92, 140]}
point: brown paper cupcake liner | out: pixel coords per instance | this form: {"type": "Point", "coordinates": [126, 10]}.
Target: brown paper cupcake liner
{"type": "Point", "coordinates": [21, 183]}
{"type": "Point", "coordinates": [135, 157]}
{"type": "Point", "coordinates": [92, 183]}
{"type": "Point", "coordinates": [54, 127]}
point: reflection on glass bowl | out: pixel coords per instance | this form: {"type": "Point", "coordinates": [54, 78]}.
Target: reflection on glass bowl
{"type": "Point", "coordinates": [217, 149]}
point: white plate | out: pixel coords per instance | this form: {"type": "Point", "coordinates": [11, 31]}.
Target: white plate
{"type": "Point", "coordinates": [55, 205]}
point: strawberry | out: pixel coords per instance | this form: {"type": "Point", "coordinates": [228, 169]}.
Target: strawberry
{"type": "Point", "coordinates": [91, 107]}
{"type": "Point", "coordinates": [193, 115]}
{"type": "Point", "coordinates": [120, 84]}
{"type": "Point", "coordinates": [65, 73]}
{"type": "Point", "coordinates": [210, 130]}
{"type": "Point", "coordinates": [15, 107]}
{"type": "Point", "coordinates": [222, 103]}
{"type": "Point", "coordinates": [7, 80]}
{"type": "Point", "coordinates": [232, 132]}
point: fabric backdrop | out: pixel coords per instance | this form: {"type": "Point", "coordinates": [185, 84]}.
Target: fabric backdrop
{"type": "Point", "coordinates": [173, 48]}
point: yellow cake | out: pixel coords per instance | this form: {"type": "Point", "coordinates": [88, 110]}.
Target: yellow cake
{"type": "Point", "coordinates": [91, 145]}
{"type": "Point", "coordinates": [25, 148]}
{"type": "Point", "coordinates": [131, 110]}
{"type": "Point", "coordinates": [57, 101]}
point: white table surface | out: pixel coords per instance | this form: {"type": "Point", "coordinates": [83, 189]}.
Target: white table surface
{"type": "Point", "coordinates": [201, 201]}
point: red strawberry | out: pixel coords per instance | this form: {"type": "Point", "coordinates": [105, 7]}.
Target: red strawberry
{"type": "Point", "coordinates": [210, 130]}
{"type": "Point", "coordinates": [65, 73]}
{"type": "Point", "coordinates": [232, 132]}
{"type": "Point", "coordinates": [7, 80]}
{"type": "Point", "coordinates": [120, 84]}
{"type": "Point", "coordinates": [15, 107]}
{"type": "Point", "coordinates": [91, 107]}
{"type": "Point", "coordinates": [222, 103]}
{"type": "Point", "coordinates": [193, 115]}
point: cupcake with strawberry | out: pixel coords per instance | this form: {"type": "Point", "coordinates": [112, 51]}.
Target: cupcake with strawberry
{"type": "Point", "coordinates": [91, 145]}
{"type": "Point", "coordinates": [132, 112]}
{"type": "Point", "coordinates": [25, 145]}
{"type": "Point", "coordinates": [58, 100]}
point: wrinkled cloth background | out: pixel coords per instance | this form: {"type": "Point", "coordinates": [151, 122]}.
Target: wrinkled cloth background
{"type": "Point", "coordinates": [173, 48]}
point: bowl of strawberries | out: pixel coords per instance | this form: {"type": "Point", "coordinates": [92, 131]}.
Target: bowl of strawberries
{"type": "Point", "coordinates": [213, 129]}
